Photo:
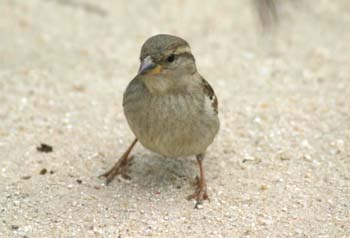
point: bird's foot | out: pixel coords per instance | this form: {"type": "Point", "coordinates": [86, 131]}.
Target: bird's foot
{"type": "Point", "coordinates": [200, 194]}
{"type": "Point", "coordinates": [118, 169]}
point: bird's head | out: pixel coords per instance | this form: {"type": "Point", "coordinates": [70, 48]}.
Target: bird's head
{"type": "Point", "coordinates": [166, 59]}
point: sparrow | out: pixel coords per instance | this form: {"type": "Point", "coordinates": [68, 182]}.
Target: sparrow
{"type": "Point", "coordinates": [171, 109]}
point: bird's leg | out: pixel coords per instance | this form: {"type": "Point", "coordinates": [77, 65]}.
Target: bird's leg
{"type": "Point", "coordinates": [120, 166]}
{"type": "Point", "coordinates": [201, 192]}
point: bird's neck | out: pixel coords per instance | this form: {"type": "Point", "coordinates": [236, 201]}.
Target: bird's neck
{"type": "Point", "coordinates": [167, 85]}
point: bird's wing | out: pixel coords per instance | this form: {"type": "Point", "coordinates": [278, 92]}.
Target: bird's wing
{"type": "Point", "coordinates": [209, 92]}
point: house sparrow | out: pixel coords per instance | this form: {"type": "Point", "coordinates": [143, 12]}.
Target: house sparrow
{"type": "Point", "coordinates": [170, 107]}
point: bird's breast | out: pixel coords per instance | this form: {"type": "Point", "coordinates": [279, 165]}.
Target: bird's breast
{"type": "Point", "coordinates": [172, 125]}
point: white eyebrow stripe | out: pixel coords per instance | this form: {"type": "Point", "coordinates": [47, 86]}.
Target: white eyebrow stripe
{"type": "Point", "coordinates": [183, 49]}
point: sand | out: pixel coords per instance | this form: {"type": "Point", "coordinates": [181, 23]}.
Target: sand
{"type": "Point", "coordinates": [279, 167]}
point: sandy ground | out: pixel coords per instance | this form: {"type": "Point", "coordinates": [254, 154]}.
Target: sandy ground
{"type": "Point", "coordinates": [280, 166]}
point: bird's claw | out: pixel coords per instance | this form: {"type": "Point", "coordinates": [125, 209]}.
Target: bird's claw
{"type": "Point", "coordinates": [118, 169]}
{"type": "Point", "coordinates": [200, 194]}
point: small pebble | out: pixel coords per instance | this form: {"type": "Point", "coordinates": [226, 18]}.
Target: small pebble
{"type": "Point", "coordinates": [43, 171]}
{"type": "Point", "coordinates": [284, 156]}
{"type": "Point", "coordinates": [264, 187]}
{"type": "Point", "coordinates": [45, 148]}
{"type": "Point", "coordinates": [307, 157]}
{"type": "Point", "coordinates": [14, 227]}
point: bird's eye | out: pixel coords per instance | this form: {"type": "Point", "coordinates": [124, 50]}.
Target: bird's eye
{"type": "Point", "coordinates": [171, 58]}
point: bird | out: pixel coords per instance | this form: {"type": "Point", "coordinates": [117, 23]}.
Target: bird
{"type": "Point", "coordinates": [268, 12]}
{"type": "Point", "coordinates": [170, 108]}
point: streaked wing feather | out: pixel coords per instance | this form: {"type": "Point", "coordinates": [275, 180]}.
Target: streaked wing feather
{"type": "Point", "coordinates": [209, 92]}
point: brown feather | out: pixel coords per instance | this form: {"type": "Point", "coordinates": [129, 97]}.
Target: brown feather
{"type": "Point", "coordinates": [209, 92]}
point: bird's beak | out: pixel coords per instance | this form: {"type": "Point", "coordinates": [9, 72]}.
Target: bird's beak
{"type": "Point", "coordinates": [149, 67]}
